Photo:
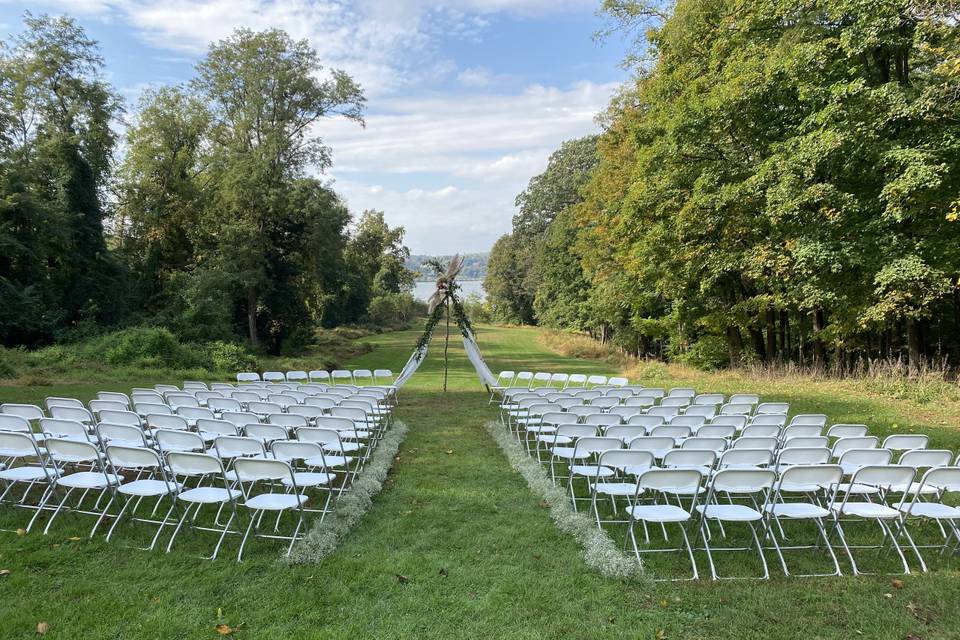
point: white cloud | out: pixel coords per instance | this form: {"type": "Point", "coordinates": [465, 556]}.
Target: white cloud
{"type": "Point", "coordinates": [475, 77]}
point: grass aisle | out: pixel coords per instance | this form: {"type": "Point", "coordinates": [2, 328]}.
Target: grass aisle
{"type": "Point", "coordinates": [478, 555]}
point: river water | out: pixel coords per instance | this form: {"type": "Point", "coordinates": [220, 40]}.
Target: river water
{"type": "Point", "coordinates": [423, 290]}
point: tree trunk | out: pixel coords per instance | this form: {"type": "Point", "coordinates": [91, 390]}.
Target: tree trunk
{"type": "Point", "coordinates": [914, 348]}
{"type": "Point", "coordinates": [819, 351]}
{"type": "Point", "coordinates": [734, 345]}
{"type": "Point", "coordinates": [771, 334]}
{"type": "Point", "coordinates": [784, 337]}
{"type": "Point", "coordinates": [756, 336]}
{"type": "Point", "coordinates": [252, 315]}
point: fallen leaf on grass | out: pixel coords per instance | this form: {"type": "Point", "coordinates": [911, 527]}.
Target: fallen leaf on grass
{"type": "Point", "coordinates": [661, 635]}
{"type": "Point", "coordinates": [896, 583]}
{"type": "Point", "coordinates": [402, 579]}
{"type": "Point", "coordinates": [888, 595]}
{"type": "Point", "coordinates": [4, 572]}
{"type": "Point", "coordinates": [21, 532]}
{"type": "Point", "coordinates": [219, 612]}
{"type": "Point", "coordinates": [912, 636]}
{"type": "Point", "coordinates": [224, 629]}
{"type": "Point", "coordinates": [537, 556]}
{"type": "Point", "coordinates": [543, 504]}
{"type": "Point", "coordinates": [42, 628]}
{"type": "Point", "coordinates": [449, 452]}
{"type": "Point", "coordinates": [444, 573]}
{"type": "Point", "coordinates": [74, 539]}
{"type": "Point", "coordinates": [918, 612]}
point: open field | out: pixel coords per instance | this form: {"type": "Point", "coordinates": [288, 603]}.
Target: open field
{"type": "Point", "coordinates": [482, 556]}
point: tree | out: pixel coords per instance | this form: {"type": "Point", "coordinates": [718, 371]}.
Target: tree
{"type": "Point", "coordinates": [509, 264]}
{"type": "Point", "coordinates": [376, 259]}
{"type": "Point", "coordinates": [55, 156]}
{"type": "Point", "coordinates": [265, 95]}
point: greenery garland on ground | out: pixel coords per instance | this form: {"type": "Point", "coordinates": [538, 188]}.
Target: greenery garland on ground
{"type": "Point", "coordinates": [599, 550]}
{"type": "Point", "coordinates": [324, 538]}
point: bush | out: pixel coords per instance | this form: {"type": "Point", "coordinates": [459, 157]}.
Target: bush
{"type": "Point", "coordinates": [709, 352]}
{"type": "Point", "coordinates": [148, 347]}
{"type": "Point", "coordinates": [7, 369]}
{"type": "Point", "coordinates": [226, 356]}
{"type": "Point", "coordinates": [391, 310]}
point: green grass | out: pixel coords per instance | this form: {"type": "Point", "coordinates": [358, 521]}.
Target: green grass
{"type": "Point", "coordinates": [482, 556]}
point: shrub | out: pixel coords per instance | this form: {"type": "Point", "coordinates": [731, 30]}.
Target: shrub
{"type": "Point", "coordinates": [709, 352]}
{"type": "Point", "coordinates": [226, 356]}
{"type": "Point", "coordinates": [7, 369]}
{"type": "Point", "coordinates": [391, 310]}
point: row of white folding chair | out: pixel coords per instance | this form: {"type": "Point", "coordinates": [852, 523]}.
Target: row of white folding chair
{"type": "Point", "coordinates": [380, 376]}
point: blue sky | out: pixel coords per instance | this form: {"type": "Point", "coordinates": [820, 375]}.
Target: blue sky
{"type": "Point", "coordinates": [466, 98]}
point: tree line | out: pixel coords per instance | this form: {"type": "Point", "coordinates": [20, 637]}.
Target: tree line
{"type": "Point", "coordinates": [199, 214]}
{"type": "Point", "coordinates": [778, 182]}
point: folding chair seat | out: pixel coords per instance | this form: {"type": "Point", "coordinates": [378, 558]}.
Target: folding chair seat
{"type": "Point", "coordinates": [72, 413]}
{"type": "Point", "coordinates": [773, 408]}
{"type": "Point", "coordinates": [121, 435]}
{"type": "Point", "coordinates": [705, 411]}
{"type": "Point", "coordinates": [664, 485]}
{"type": "Point", "coordinates": [210, 429]}
{"type": "Point", "coordinates": [253, 476]}
{"type": "Point", "coordinates": [906, 441]}
{"type": "Point", "coordinates": [192, 414]}
{"type": "Point", "coordinates": [55, 401]}
{"type": "Point", "coordinates": [745, 459]}
{"type": "Point", "coordinates": [26, 466]}
{"type": "Point", "coordinates": [151, 481]}
{"type": "Point", "coordinates": [274, 376]}
{"type": "Point", "coordinates": [847, 431]}
{"type": "Point", "coordinates": [656, 445]}
{"type": "Point", "coordinates": [177, 440]}
{"type": "Point", "coordinates": [318, 375]}
{"type": "Point", "coordinates": [879, 507]}
{"type": "Point", "coordinates": [800, 495]}
{"type": "Point", "coordinates": [95, 482]}
{"type": "Point", "coordinates": [729, 489]}
{"type": "Point", "coordinates": [66, 429]}
{"type": "Point", "coordinates": [215, 491]}
{"type": "Point", "coordinates": [666, 413]}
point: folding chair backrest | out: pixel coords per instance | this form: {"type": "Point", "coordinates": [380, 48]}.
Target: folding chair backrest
{"type": "Point", "coordinates": [224, 404]}
{"type": "Point", "coordinates": [337, 423]}
{"type": "Point", "coordinates": [626, 412]}
{"type": "Point", "coordinates": [248, 376]}
{"type": "Point", "coordinates": [72, 413]}
{"type": "Point", "coordinates": [596, 444]}
{"type": "Point", "coordinates": [863, 442]}
{"type": "Point", "coordinates": [620, 394]}
{"type": "Point", "coordinates": [60, 428]}
{"type": "Point", "coordinates": [15, 445]}
{"type": "Point", "coordinates": [255, 470]}
{"type": "Point", "coordinates": [770, 420]}
{"type": "Point", "coordinates": [665, 412]}
{"type": "Point", "coordinates": [625, 433]}
{"type": "Point", "coordinates": [630, 461]}
{"type": "Point", "coordinates": [120, 417]}
{"type": "Point", "coordinates": [802, 431]}
{"type": "Point", "coordinates": [926, 458]}
{"type": "Point", "coordinates": [125, 457]}
{"type": "Point", "coordinates": [760, 431]}
{"type": "Point", "coordinates": [605, 402]}
{"type": "Point", "coordinates": [175, 440]}
{"type": "Point", "coordinates": [536, 410]}
{"type": "Point", "coordinates": [541, 379]}
{"type": "Point", "coordinates": [803, 455]}
{"type": "Point", "coordinates": [177, 401]}
{"type": "Point", "coordinates": [906, 441]}
{"type": "Point", "coordinates": [773, 408]}
{"type": "Point", "coordinates": [693, 422]}
{"type": "Point", "coordinates": [385, 376]}
{"type": "Point", "coordinates": [618, 381]}
{"type": "Point", "coordinates": [736, 409]}
{"type": "Point", "coordinates": [357, 415]}
{"type": "Point", "coordinates": [741, 458]}
{"type": "Point", "coordinates": [99, 406]}
{"type": "Point", "coordinates": [671, 431]}
{"type": "Point", "coordinates": [742, 481]}
{"type": "Point", "coordinates": [555, 418]}
{"type": "Point", "coordinates": [847, 431]}
{"type": "Point", "coordinates": [588, 395]}
{"type": "Point", "coordinates": [264, 408]}
{"type": "Point", "coordinates": [675, 401]}
{"type": "Point", "coordinates": [295, 450]}
{"type": "Point", "coordinates": [656, 444]}
{"type": "Point", "coordinates": [823, 476]}
{"type": "Point", "coordinates": [576, 431]}
{"type": "Point", "coordinates": [55, 401]}
{"type": "Point", "coordinates": [715, 431]}
{"type": "Point", "coordinates": [114, 396]}
{"type": "Point", "coordinates": [266, 432]}
{"type": "Point", "coordinates": [651, 392]}
{"type": "Point", "coordinates": [72, 451]}
{"type": "Point", "coordinates": [737, 422]}
{"type": "Point", "coordinates": [282, 399]}
{"type": "Point", "coordinates": [884, 476]}
{"type": "Point", "coordinates": [595, 380]}
{"type": "Point", "coordinates": [10, 422]}
{"type": "Point", "coordinates": [297, 376]}
{"type": "Point", "coordinates": [194, 464]}
{"type": "Point", "coordinates": [602, 419]}
{"type": "Point", "coordinates": [287, 420]}
{"type": "Point", "coordinates": [575, 379]}
{"type": "Point", "coordinates": [566, 403]}
{"type": "Point", "coordinates": [238, 446]}
{"type": "Point", "coordinates": [865, 457]}
{"type": "Point", "coordinates": [318, 435]}
{"type": "Point", "coordinates": [807, 441]}
{"type": "Point", "coordinates": [640, 401]}
{"type": "Point", "coordinates": [682, 481]}
{"type": "Point", "coordinates": [505, 378]}
{"type": "Point", "coordinates": [690, 459]}
{"type": "Point", "coordinates": [581, 411]}
{"type": "Point", "coordinates": [195, 413]}
{"type": "Point", "coordinates": [682, 392]}
{"type": "Point", "coordinates": [703, 443]}
{"type": "Point", "coordinates": [239, 418]}
{"type": "Point", "coordinates": [768, 443]}
{"type": "Point", "coordinates": [273, 376]}
{"type": "Point", "coordinates": [194, 384]}
{"type": "Point", "coordinates": [647, 421]}
{"type": "Point", "coordinates": [946, 478]}
{"type": "Point", "coordinates": [709, 399]}
{"type": "Point", "coordinates": [363, 376]}
{"type": "Point", "coordinates": [319, 374]}
{"type": "Point", "coordinates": [705, 411]}
{"type": "Point", "coordinates": [744, 398]}
{"type": "Point", "coordinates": [221, 386]}
{"type": "Point", "coordinates": [161, 421]}
{"type": "Point", "coordinates": [130, 436]}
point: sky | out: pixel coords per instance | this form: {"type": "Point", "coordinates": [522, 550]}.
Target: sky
{"type": "Point", "coordinates": [466, 99]}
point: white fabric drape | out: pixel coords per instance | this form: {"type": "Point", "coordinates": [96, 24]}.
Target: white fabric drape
{"type": "Point", "coordinates": [476, 359]}
{"type": "Point", "coordinates": [410, 368]}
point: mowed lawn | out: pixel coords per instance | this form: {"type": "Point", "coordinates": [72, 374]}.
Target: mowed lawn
{"type": "Point", "coordinates": [479, 555]}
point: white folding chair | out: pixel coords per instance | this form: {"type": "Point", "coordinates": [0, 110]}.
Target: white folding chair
{"type": "Point", "coordinates": [213, 490]}
{"type": "Point", "coordinates": [257, 479]}
{"type": "Point", "coordinates": [26, 465]}
{"type": "Point", "coordinates": [151, 482]}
